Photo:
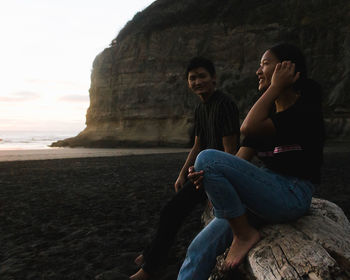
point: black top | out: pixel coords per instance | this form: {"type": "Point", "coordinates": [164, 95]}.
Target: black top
{"type": "Point", "coordinates": [214, 119]}
{"type": "Point", "coordinates": [297, 148]}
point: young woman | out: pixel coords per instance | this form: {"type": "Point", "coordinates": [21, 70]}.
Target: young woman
{"type": "Point", "coordinates": [285, 130]}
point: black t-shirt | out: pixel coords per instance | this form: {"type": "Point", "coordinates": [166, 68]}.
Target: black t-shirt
{"type": "Point", "coordinates": [214, 119]}
{"type": "Point", "coordinates": [297, 148]}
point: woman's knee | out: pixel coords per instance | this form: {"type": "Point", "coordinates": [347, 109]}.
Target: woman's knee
{"type": "Point", "coordinates": [204, 159]}
{"type": "Point", "coordinates": [215, 161]}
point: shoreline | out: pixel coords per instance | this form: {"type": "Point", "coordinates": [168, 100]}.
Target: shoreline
{"type": "Point", "coordinates": [64, 153]}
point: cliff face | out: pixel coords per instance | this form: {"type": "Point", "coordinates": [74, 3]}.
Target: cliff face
{"type": "Point", "coordinates": [138, 92]}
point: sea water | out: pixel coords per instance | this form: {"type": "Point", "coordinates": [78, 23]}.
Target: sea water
{"type": "Point", "coordinates": [28, 140]}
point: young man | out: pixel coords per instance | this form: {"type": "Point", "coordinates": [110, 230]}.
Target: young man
{"type": "Point", "coordinates": [216, 127]}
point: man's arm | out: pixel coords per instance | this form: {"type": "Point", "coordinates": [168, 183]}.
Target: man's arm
{"type": "Point", "coordinates": [230, 143]}
{"type": "Point", "coordinates": [189, 162]}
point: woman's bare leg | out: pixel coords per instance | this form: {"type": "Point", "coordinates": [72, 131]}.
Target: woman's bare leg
{"type": "Point", "coordinates": [245, 237]}
{"type": "Point", "coordinates": [139, 260]}
{"type": "Point", "coordinates": [140, 275]}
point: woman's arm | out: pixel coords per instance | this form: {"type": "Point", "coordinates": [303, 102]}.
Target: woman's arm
{"type": "Point", "coordinates": [246, 153]}
{"type": "Point", "coordinates": [257, 121]}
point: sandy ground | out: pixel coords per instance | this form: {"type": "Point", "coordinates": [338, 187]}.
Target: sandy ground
{"type": "Point", "coordinates": [77, 218]}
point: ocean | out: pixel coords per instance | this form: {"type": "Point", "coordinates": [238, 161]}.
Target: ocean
{"type": "Point", "coordinates": [31, 140]}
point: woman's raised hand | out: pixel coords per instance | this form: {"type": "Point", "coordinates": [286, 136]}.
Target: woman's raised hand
{"type": "Point", "coordinates": [284, 75]}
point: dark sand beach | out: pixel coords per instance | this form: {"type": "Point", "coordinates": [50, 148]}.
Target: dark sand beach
{"type": "Point", "coordinates": [79, 218]}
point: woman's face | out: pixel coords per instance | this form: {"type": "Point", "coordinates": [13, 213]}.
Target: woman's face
{"type": "Point", "coordinates": [267, 66]}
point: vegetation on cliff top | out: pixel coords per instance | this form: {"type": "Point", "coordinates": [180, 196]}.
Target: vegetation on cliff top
{"type": "Point", "coordinates": [163, 14]}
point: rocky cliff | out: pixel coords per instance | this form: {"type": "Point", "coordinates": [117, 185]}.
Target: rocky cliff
{"type": "Point", "coordinates": [138, 93]}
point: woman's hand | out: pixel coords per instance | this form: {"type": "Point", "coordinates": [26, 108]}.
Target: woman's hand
{"type": "Point", "coordinates": [196, 177]}
{"type": "Point", "coordinates": [284, 75]}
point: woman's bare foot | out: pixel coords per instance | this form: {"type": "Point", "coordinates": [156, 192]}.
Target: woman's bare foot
{"type": "Point", "coordinates": [240, 247]}
{"type": "Point", "coordinates": [140, 275]}
{"type": "Point", "coordinates": [139, 260]}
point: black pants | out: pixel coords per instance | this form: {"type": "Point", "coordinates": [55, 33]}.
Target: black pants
{"type": "Point", "coordinates": [171, 218]}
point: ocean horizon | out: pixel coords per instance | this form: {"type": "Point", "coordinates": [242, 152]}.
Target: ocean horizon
{"type": "Point", "coordinates": [32, 140]}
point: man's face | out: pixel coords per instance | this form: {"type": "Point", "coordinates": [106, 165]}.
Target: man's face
{"type": "Point", "coordinates": [201, 83]}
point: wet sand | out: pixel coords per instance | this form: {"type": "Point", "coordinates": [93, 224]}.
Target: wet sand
{"type": "Point", "coordinates": [60, 153]}
{"type": "Point", "coordinates": [83, 217]}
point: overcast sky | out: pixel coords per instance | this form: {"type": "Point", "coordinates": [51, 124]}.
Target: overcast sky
{"type": "Point", "coordinates": [46, 54]}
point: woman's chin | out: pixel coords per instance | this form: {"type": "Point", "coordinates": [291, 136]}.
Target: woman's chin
{"type": "Point", "coordinates": [263, 87]}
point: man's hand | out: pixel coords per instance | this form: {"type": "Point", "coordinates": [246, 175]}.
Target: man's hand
{"type": "Point", "coordinates": [196, 177]}
{"type": "Point", "coordinates": [179, 183]}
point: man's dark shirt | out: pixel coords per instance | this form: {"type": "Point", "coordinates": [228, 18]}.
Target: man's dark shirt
{"type": "Point", "coordinates": [214, 119]}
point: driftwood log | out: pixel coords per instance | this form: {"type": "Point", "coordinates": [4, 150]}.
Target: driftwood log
{"type": "Point", "coordinates": [315, 247]}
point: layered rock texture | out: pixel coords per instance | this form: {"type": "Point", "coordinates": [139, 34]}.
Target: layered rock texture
{"type": "Point", "coordinates": [139, 95]}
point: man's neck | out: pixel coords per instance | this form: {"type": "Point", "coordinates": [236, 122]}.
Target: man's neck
{"type": "Point", "coordinates": [206, 96]}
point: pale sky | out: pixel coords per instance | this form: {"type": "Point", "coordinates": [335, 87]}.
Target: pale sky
{"type": "Point", "coordinates": [46, 53]}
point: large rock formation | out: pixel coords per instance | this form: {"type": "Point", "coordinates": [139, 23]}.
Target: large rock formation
{"type": "Point", "coordinates": [138, 93]}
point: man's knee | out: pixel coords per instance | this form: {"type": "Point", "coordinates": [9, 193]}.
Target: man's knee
{"type": "Point", "coordinates": [175, 208]}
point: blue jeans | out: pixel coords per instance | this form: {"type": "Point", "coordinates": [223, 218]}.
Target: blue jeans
{"type": "Point", "coordinates": [235, 186]}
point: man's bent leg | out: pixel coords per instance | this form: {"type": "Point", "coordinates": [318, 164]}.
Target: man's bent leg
{"type": "Point", "coordinates": [171, 218]}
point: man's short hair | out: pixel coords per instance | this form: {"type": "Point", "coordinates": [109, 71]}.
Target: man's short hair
{"type": "Point", "coordinates": [199, 61]}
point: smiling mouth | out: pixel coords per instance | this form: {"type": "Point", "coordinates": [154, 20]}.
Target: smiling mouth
{"type": "Point", "coordinates": [198, 88]}
{"type": "Point", "coordinates": [261, 77]}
